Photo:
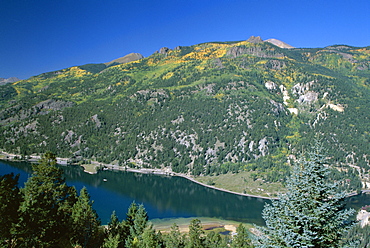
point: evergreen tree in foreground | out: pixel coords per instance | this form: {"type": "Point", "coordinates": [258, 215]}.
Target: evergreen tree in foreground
{"type": "Point", "coordinates": [85, 220]}
{"type": "Point", "coordinates": [10, 199]}
{"type": "Point", "coordinates": [310, 214]}
{"type": "Point", "coordinates": [46, 206]}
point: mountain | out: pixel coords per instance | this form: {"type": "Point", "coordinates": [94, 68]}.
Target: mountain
{"type": "Point", "coordinates": [279, 43]}
{"type": "Point", "coordinates": [8, 80]}
{"type": "Point", "coordinates": [125, 59]}
{"type": "Point", "coordinates": [206, 109]}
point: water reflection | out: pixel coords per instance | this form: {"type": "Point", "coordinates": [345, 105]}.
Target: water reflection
{"type": "Point", "coordinates": [162, 196]}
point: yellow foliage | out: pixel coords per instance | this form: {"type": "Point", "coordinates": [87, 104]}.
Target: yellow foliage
{"type": "Point", "coordinates": [261, 62]}
{"type": "Point", "coordinates": [18, 91]}
{"type": "Point", "coordinates": [77, 72]}
{"type": "Point", "coordinates": [209, 51]}
{"type": "Point", "coordinates": [168, 75]}
{"type": "Point", "coordinates": [323, 75]}
{"type": "Point", "coordinates": [219, 96]}
{"type": "Point", "coordinates": [296, 135]}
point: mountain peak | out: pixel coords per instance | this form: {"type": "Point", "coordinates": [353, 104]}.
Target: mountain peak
{"type": "Point", "coordinates": [255, 39]}
{"type": "Point", "coordinates": [125, 59]}
{"type": "Point", "coordinates": [8, 80]}
{"type": "Point", "coordinates": [279, 43]}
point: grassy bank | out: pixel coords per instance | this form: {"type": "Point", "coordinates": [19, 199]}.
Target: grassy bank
{"type": "Point", "coordinates": [242, 183]}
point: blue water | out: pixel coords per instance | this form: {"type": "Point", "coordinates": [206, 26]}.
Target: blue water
{"type": "Point", "coordinates": [162, 196]}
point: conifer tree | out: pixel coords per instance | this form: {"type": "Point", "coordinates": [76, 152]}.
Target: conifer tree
{"type": "Point", "coordinates": [150, 239]}
{"type": "Point", "coordinates": [311, 213]}
{"type": "Point", "coordinates": [10, 199]}
{"type": "Point", "coordinates": [46, 207]}
{"type": "Point", "coordinates": [85, 221]}
{"type": "Point", "coordinates": [116, 232]}
{"type": "Point", "coordinates": [196, 235]}
{"type": "Point", "coordinates": [174, 238]}
{"type": "Point", "coordinates": [241, 239]}
{"type": "Point", "coordinates": [136, 222]}
{"type": "Point", "coordinates": [214, 240]}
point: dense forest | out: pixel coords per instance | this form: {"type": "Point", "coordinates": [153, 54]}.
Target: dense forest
{"type": "Point", "coordinates": [205, 109]}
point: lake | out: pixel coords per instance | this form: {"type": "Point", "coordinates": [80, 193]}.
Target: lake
{"type": "Point", "coordinates": [162, 196]}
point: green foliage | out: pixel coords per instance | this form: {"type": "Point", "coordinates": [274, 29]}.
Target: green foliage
{"type": "Point", "coordinates": [174, 238]}
{"type": "Point", "coordinates": [358, 237]}
{"type": "Point", "coordinates": [48, 213]}
{"type": "Point", "coordinates": [311, 213]}
{"type": "Point", "coordinates": [93, 68]}
{"type": "Point", "coordinates": [241, 239]}
{"type": "Point", "coordinates": [196, 238]}
{"type": "Point", "coordinates": [85, 221]}
{"type": "Point", "coordinates": [46, 206]}
{"type": "Point", "coordinates": [137, 223]}
{"type": "Point", "coordinates": [10, 199]}
{"type": "Point", "coordinates": [201, 109]}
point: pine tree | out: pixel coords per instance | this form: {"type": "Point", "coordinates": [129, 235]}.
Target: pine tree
{"type": "Point", "coordinates": [85, 221]}
{"type": "Point", "coordinates": [174, 239]}
{"type": "Point", "coordinates": [10, 199]}
{"type": "Point", "coordinates": [136, 222]}
{"type": "Point", "coordinates": [214, 240]}
{"type": "Point", "coordinates": [241, 239]}
{"type": "Point", "coordinates": [196, 235]}
{"type": "Point", "coordinates": [150, 239]}
{"type": "Point", "coordinates": [46, 207]}
{"type": "Point", "coordinates": [117, 231]}
{"type": "Point", "coordinates": [311, 213]}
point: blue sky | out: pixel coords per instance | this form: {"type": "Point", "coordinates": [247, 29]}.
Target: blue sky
{"type": "Point", "coordinates": [47, 35]}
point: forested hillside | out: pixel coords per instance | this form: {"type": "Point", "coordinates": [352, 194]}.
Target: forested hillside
{"type": "Point", "coordinates": [205, 109]}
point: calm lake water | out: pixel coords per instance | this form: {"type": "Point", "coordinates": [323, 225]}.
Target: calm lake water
{"type": "Point", "coordinates": [162, 196]}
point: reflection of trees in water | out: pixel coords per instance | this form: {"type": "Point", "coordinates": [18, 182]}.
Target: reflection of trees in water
{"type": "Point", "coordinates": [168, 193]}
{"type": "Point", "coordinates": [175, 193]}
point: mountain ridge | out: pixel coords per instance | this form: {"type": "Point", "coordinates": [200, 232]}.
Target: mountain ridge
{"type": "Point", "coordinates": [206, 109]}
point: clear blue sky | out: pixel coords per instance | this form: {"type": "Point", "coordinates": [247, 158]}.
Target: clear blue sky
{"type": "Point", "coordinates": [46, 35]}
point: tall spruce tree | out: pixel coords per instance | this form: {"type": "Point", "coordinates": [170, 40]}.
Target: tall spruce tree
{"type": "Point", "coordinates": [10, 199]}
{"type": "Point", "coordinates": [136, 222]}
{"type": "Point", "coordinates": [85, 221]}
{"type": "Point", "coordinates": [241, 239]}
{"type": "Point", "coordinates": [46, 207]}
{"type": "Point", "coordinates": [196, 235]}
{"type": "Point", "coordinates": [311, 213]}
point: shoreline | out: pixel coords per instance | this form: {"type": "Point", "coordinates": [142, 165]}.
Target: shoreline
{"type": "Point", "coordinates": [165, 172]}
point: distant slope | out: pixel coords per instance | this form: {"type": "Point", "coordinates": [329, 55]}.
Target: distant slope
{"type": "Point", "coordinates": [8, 80]}
{"type": "Point", "coordinates": [125, 59]}
{"type": "Point", "coordinates": [279, 43]}
{"type": "Point", "coordinates": [205, 109]}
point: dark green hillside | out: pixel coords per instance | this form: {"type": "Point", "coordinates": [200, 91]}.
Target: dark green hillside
{"type": "Point", "coordinates": [204, 109]}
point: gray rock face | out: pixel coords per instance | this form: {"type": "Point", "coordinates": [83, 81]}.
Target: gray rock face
{"type": "Point", "coordinates": [308, 97]}
{"type": "Point", "coordinates": [255, 39]}
{"type": "Point", "coordinates": [275, 64]}
{"type": "Point", "coordinates": [270, 85]}
{"type": "Point", "coordinates": [8, 80]}
{"type": "Point", "coordinates": [164, 50]}
{"type": "Point", "coordinates": [253, 50]}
